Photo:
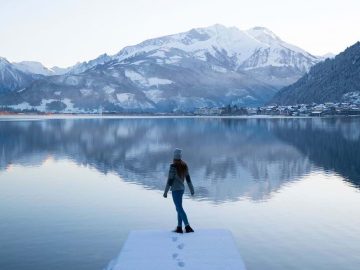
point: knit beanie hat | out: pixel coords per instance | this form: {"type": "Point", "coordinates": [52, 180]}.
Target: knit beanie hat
{"type": "Point", "coordinates": [177, 153]}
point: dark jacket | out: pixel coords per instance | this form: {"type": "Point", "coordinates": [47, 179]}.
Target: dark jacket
{"type": "Point", "coordinates": [175, 182]}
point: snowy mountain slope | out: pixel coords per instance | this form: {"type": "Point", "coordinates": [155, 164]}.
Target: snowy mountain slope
{"type": "Point", "coordinates": [12, 79]}
{"type": "Point", "coordinates": [212, 66]}
{"type": "Point", "coordinates": [149, 87]}
{"type": "Point", "coordinates": [33, 67]}
{"type": "Point", "coordinates": [83, 66]}
{"type": "Point", "coordinates": [17, 76]}
{"type": "Point", "coordinates": [199, 43]}
{"type": "Point", "coordinates": [240, 48]}
{"type": "Point", "coordinates": [277, 53]}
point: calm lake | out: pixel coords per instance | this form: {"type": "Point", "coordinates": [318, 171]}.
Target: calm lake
{"type": "Point", "coordinates": [71, 189]}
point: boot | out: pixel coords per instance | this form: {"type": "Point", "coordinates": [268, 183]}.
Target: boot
{"type": "Point", "coordinates": [188, 229]}
{"type": "Point", "coordinates": [178, 230]}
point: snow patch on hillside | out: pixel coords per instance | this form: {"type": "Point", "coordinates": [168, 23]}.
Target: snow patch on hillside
{"type": "Point", "coordinates": [159, 53]}
{"type": "Point", "coordinates": [138, 62]}
{"type": "Point", "coordinates": [72, 80]}
{"type": "Point", "coordinates": [158, 81]}
{"type": "Point", "coordinates": [219, 69]}
{"type": "Point", "coordinates": [135, 77]}
{"type": "Point", "coordinates": [173, 59]}
{"type": "Point", "coordinates": [125, 97]}
{"type": "Point", "coordinates": [154, 95]}
{"type": "Point", "coordinates": [108, 90]}
{"type": "Point", "coordinates": [237, 92]}
{"type": "Point", "coordinates": [129, 101]}
{"type": "Point", "coordinates": [140, 79]}
{"type": "Point", "coordinates": [86, 92]}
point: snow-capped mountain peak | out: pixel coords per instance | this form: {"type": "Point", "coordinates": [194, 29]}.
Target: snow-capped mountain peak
{"type": "Point", "coordinates": [37, 68]}
{"type": "Point", "coordinates": [269, 38]}
{"type": "Point", "coordinates": [33, 67]}
{"type": "Point", "coordinates": [249, 49]}
{"type": "Point", "coordinates": [198, 43]}
{"type": "Point", "coordinates": [263, 35]}
{"type": "Point", "coordinates": [11, 78]}
{"type": "Point", "coordinates": [329, 55]}
{"type": "Point", "coordinates": [3, 62]}
{"type": "Point", "coordinates": [83, 66]}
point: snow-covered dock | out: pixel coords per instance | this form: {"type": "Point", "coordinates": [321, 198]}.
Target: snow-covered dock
{"type": "Point", "coordinates": [212, 249]}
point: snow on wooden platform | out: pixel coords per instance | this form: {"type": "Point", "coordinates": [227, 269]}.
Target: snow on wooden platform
{"type": "Point", "coordinates": [157, 250]}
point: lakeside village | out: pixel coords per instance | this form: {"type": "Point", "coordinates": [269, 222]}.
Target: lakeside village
{"type": "Point", "coordinates": [325, 109]}
{"type": "Point", "coordinates": [302, 110]}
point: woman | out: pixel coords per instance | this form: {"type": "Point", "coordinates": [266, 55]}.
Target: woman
{"type": "Point", "coordinates": [178, 172]}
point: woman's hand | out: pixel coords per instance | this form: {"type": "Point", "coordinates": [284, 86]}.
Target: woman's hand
{"type": "Point", "coordinates": [165, 195]}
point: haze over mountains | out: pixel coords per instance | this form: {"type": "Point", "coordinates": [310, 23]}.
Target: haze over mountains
{"type": "Point", "coordinates": [204, 67]}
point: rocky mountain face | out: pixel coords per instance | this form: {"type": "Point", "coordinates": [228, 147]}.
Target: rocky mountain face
{"type": "Point", "coordinates": [213, 66]}
{"type": "Point", "coordinates": [12, 79]}
{"type": "Point", "coordinates": [333, 80]}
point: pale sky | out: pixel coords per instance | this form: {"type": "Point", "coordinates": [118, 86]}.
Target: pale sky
{"type": "Point", "coordinates": [63, 32]}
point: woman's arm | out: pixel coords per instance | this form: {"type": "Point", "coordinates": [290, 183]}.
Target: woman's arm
{"type": "Point", "coordinates": [188, 181]}
{"type": "Point", "coordinates": [170, 181]}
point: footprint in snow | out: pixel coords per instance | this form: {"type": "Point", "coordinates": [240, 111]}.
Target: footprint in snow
{"type": "Point", "coordinates": [181, 264]}
{"type": "Point", "coordinates": [181, 246]}
{"type": "Point", "coordinates": [175, 255]}
{"type": "Point", "coordinates": [174, 239]}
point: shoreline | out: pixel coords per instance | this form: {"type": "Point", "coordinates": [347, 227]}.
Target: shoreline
{"type": "Point", "coordinates": [145, 116]}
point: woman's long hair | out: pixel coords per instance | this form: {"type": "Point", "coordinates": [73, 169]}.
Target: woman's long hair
{"type": "Point", "coordinates": [181, 167]}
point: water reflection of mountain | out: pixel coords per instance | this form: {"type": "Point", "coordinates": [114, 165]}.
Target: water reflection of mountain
{"type": "Point", "coordinates": [228, 158]}
{"type": "Point", "coordinates": [330, 143]}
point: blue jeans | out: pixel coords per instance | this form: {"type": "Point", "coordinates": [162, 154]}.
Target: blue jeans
{"type": "Point", "coordinates": [181, 215]}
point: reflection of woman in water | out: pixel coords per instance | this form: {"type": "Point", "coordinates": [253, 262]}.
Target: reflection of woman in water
{"type": "Point", "coordinates": [178, 172]}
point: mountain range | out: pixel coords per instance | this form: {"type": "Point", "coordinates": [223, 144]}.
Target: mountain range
{"type": "Point", "coordinates": [204, 67]}
{"type": "Point", "coordinates": [333, 80]}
